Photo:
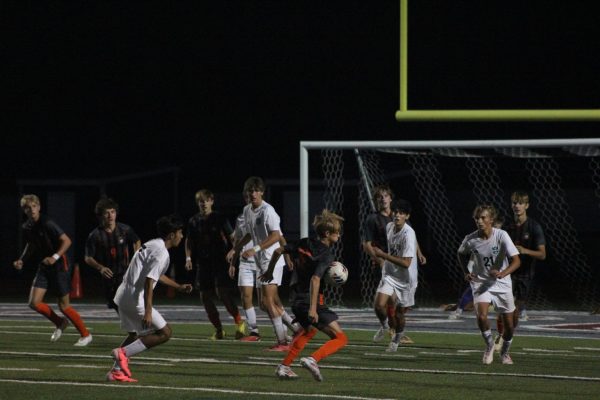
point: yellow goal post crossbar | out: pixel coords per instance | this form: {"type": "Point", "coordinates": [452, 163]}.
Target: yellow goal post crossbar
{"type": "Point", "coordinates": [404, 114]}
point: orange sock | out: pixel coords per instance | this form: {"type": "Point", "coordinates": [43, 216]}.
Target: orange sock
{"type": "Point", "coordinates": [499, 325]}
{"type": "Point", "coordinates": [47, 312]}
{"type": "Point", "coordinates": [297, 346]}
{"type": "Point", "coordinates": [330, 347]}
{"type": "Point", "coordinates": [76, 320]}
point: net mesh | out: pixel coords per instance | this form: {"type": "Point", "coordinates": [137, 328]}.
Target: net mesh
{"type": "Point", "coordinates": [333, 172]}
{"type": "Point", "coordinates": [444, 185]}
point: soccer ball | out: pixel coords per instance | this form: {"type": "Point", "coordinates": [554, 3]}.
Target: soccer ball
{"type": "Point", "coordinates": [337, 274]}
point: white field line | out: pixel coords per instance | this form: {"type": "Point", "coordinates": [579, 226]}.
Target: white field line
{"type": "Point", "coordinates": [193, 389]}
{"type": "Point", "coordinates": [19, 369]}
{"type": "Point", "coordinates": [340, 367]}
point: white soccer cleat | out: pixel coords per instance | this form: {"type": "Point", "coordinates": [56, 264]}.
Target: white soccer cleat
{"type": "Point", "coordinates": [310, 364]}
{"type": "Point", "coordinates": [59, 330]}
{"type": "Point", "coordinates": [506, 360]}
{"type": "Point", "coordinates": [488, 355]}
{"type": "Point", "coordinates": [498, 343]}
{"type": "Point", "coordinates": [379, 335]}
{"type": "Point", "coordinates": [285, 372]}
{"type": "Point", "coordinates": [83, 341]}
{"type": "Point", "coordinates": [392, 347]}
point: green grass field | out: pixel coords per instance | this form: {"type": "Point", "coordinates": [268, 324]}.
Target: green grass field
{"type": "Point", "coordinates": [190, 366]}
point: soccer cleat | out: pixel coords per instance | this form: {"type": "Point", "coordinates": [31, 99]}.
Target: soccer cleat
{"type": "Point", "coordinates": [119, 356]}
{"type": "Point", "coordinates": [218, 335]}
{"type": "Point", "coordinates": [59, 330]}
{"type": "Point", "coordinates": [116, 375]}
{"type": "Point", "coordinates": [391, 333]}
{"type": "Point", "coordinates": [498, 343]}
{"type": "Point", "coordinates": [241, 329]}
{"type": "Point", "coordinates": [310, 364]}
{"type": "Point", "coordinates": [252, 337]}
{"type": "Point", "coordinates": [506, 360]}
{"type": "Point", "coordinates": [406, 340]}
{"type": "Point", "coordinates": [83, 341]}
{"type": "Point", "coordinates": [285, 372]}
{"type": "Point", "coordinates": [488, 356]}
{"type": "Point", "coordinates": [392, 347]}
{"type": "Point", "coordinates": [455, 315]}
{"type": "Point", "coordinates": [279, 347]}
{"type": "Point", "coordinates": [378, 336]}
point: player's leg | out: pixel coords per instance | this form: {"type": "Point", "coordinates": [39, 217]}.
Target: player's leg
{"type": "Point", "coordinates": [481, 302]}
{"type": "Point", "coordinates": [380, 303]}
{"type": "Point", "coordinates": [337, 339]}
{"type": "Point", "coordinates": [269, 293]}
{"type": "Point", "coordinates": [63, 282]}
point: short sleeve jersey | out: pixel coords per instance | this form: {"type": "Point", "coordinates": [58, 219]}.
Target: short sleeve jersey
{"type": "Point", "coordinates": [401, 243]}
{"type": "Point", "coordinates": [239, 232]}
{"type": "Point", "coordinates": [42, 236]}
{"type": "Point", "coordinates": [488, 254]}
{"type": "Point", "coordinates": [529, 235]}
{"type": "Point", "coordinates": [260, 222]}
{"type": "Point", "coordinates": [112, 249]}
{"type": "Point", "coordinates": [311, 257]}
{"type": "Point", "coordinates": [376, 230]}
{"type": "Point", "coordinates": [150, 261]}
{"type": "Point", "coordinates": [208, 235]}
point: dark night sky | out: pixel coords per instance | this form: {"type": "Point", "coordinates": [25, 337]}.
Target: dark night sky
{"type": "Point", "coordinates": [120, 87]}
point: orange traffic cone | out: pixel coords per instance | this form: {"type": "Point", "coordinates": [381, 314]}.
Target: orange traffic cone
{"type": "Point", "coordinates": [76, 289]}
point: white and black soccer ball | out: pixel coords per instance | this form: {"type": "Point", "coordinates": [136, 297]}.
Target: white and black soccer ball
{"type": "Point", "coordinates": [337, 274]}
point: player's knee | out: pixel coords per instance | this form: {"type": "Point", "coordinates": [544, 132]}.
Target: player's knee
{"type": "Point", "coordinates": [165, 333]}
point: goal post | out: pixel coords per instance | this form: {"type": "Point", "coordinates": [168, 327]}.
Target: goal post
{"type": "Point", "coordinates": [444, 180]}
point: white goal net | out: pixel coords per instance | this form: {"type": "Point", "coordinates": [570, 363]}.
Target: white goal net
{"type": "Point", "coordinates": [444, 181]}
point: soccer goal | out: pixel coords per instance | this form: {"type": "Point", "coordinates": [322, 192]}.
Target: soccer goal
{"type": "Point", "coordinates": [444, 180]}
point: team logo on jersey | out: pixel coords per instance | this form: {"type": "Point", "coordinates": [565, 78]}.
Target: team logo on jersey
{"type": "Point", "coordinates": [121, 240]}
{"type": "Point", "coordinates": [526, 236]}
{"type": "Point", "coordinates": [495, 250]}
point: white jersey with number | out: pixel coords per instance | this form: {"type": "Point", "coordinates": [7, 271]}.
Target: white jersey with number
{"type": "Point", "coordinates": [241, 229]}
{"type": "Point", "coordinates": [488, 254]}
{"type": "Point", "coordinates": [402, 243]}
{"type": "Point", "coordinates": [260, 222]}
{"type": "Point", "coordinates": [150, 261]}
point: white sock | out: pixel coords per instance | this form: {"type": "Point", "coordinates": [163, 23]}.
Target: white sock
{"type": "Point", "coordinates": [505, 346]}
{"type": "Point", "coordinates": [134, 348]}
{"type": "Point", "coordinates": [251, 319]}
{"type": "Point", "coordinates": [489, 339]}
{"type": "Point", "coordinates": [287, 320]}
{"type": "Point", "coordinates": [279, 329]}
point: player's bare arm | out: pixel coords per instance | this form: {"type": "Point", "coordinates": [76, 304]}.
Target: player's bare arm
{"type": "Point", "coordinates": [64, 244]}
{"type": "Point", "coordinates": [515, 262]}
{"type": "Point", "coordinates": [268, 275]}
{"type": "Point", "coordinates": [18, 264]}
{"type": "Point", "coordinates": [148, 297]}
{"type": "Point", "coordinates": [399, 261]}
{"type": "Point", "coordinates": [315, 284]}
{"type": "Point", "coordinates": [274, 237]}
{"type": "Point", "coordinates": [539, 254]}
{"type": "Point", "coordinates": [104, 270]}
{"type": "Point", "coordinates": [183, 288]}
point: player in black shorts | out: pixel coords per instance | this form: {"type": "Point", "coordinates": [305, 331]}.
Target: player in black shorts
{"type": "Point", "coordinates": [46, 247]}
{"type": "Point", "coordinates": [208, 239]}
{"type": "Point", "coordinates": [312, 259]}
{"type": "Point", "coordinates": [528, 236]}
{"type": "Point", "coordinates": [109, 247]}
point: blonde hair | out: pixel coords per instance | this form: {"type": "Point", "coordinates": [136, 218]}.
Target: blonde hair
{"type": "Point", "coordinates": [29, 198]}
{"type": "Point", "coordinates": [485, 207]}
{"type": "Point", "coordinates": [327, 221]}
{"type": "Point", "coordinates": [204, 194]}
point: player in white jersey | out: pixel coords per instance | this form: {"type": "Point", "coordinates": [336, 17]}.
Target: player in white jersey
{"type": "Point", "coordinates": [247, 276]}
{"type": "Point", "coordinates": [145, 326]}
{"type": "Point", "coordinates": [263, 227]}
{"type": "Point", "coordinates": [400, 276]}
{"type": "Point", "coordinates": [494, 258]}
